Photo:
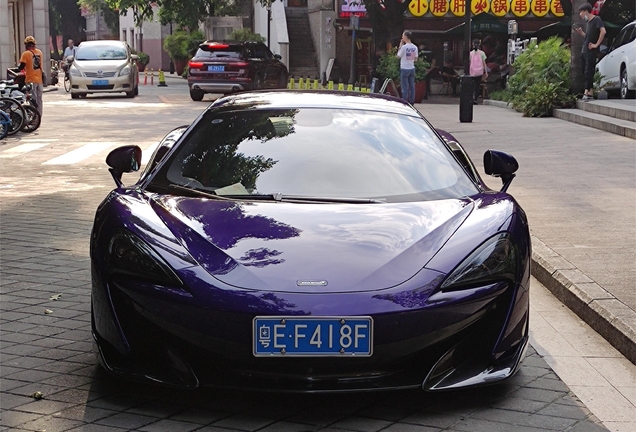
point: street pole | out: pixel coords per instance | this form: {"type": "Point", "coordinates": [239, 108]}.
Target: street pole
{"type": "Point", "coordinates": [466, 92]}
{"type": "Point", "coordinates": [171, 62]}
{"type": "Point", "coordinates": [269, 19]}
{"type": "Point", "coordinates": [355, 24]}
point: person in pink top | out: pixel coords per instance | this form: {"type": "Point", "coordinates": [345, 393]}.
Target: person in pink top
{"type": "Point", "coordinates": [478, 69]}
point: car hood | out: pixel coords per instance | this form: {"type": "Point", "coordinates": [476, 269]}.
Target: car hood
{"type": "Point", "coordinates": [290, 247]}
{"type": "Point", "coordinates": [97, 65]}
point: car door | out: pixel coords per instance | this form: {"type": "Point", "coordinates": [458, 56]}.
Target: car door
{"type": "Point", "coordinates": [271, 66]}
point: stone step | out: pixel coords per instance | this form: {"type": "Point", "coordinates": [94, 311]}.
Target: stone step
{"type": "Point", "coordinates": [598, 121]}
{"type": "Point", "coordinates": [620, 109]}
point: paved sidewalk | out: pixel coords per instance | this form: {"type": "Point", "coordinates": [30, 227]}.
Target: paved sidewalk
{"type": "Point", "coordinates": [578, 186]}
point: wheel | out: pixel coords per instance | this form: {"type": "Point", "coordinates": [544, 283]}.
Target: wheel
{"type": "Point", "coordinates": [130, 94]}
{"type": "Point", "coordinates": [258, 83]}
{"type": "Point", "coordinates": [16, 114]}
{"type": "Point", "coordinates": [625, 91]}
{"type": "Point", "coordinates": [33, 119]}
{"type": "Point", "coordinates": [67, 84]}
{"type": "Point", "coordinates": [136, 90]}
{"type": "Point", "coordinates": [5, 121]}
{"type": "Point", "coordinates": [196, 95]}
{"type": "Point", "coordinates": [74, 95]}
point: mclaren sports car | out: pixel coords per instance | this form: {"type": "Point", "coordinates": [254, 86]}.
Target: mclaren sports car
{"type": "Point", "coordinates": [310, 242]}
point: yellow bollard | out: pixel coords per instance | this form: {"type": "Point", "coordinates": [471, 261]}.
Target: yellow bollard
{"type": "Point", "coordinates": [301, 83]}
{"type": "Point", "coordinates": [340, 86]}
{"type": "Point", "coordinates": [349, 87]}
{"type": "Point", "coordinates": [315, 87]}
{"type": "Point", "coordinates": [330, 85]}
{"type": "Point", "coordinates": [162, 79]}
{"type": "Point", "coordinates": [291, 85]}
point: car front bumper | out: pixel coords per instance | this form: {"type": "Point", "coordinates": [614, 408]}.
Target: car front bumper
{"type": "Point", "coordinates": [81, 85]}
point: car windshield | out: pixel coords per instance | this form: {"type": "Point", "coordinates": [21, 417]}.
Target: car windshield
{"type": "Point", "coordinates": [220, 51]}
{"type": "Point", "coordinates": [308, 152]}
{"type": "Point", "coordinates": [101, 52]}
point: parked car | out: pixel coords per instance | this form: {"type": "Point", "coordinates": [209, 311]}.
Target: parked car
{"type": "Point", "coordinates": [229, 67]}
{"type": "Point", "coordinates": [310, 241]}
{"type": "Point", "coordinates": [104, 66]}
{"type": "Point", "coordinates": [618, 66]}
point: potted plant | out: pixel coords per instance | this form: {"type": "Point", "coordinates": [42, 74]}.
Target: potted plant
{"type": "Point", "coordinates": [142, 60]}
{"type": "Point", "coordinates": [181, 47]}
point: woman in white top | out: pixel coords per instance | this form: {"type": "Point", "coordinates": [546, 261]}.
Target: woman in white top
{"type": "Point", "coordinates": [478, 68]}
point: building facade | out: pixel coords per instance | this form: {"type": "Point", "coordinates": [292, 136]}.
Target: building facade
{"type": "Point", "coordinates": [19, 19]}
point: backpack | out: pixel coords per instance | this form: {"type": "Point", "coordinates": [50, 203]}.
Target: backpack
{"type": "Point", "coordinates": [36, 61]}
{"type": "Point", "coordinates": [476, 64]}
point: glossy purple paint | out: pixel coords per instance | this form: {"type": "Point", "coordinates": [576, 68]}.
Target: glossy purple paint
{"type": "Point", "coordinates": [239, 259]}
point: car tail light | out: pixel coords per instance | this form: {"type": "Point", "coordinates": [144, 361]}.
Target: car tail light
{"type": "Point", "coordinates": [195, 65]}
{"type": "Point", "coordinates": [218, 46]}
{"type": "Point", "coordinates": [240, 64]}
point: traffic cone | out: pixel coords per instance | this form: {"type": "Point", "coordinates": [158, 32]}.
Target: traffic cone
{"type": "Point", "coordinates": [152, 77]}
{"type": "Point", "coordinates": [349, 87]}
{"type": "Point", "coordinates": [315, 85]}
{"type": "Point", "coordinates": [162, 79]}
{"type": "Point", "coordinates": [145, 77]}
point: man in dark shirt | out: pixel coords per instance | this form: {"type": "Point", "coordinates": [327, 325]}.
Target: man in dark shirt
{"type": "Point", "coordinates": [593, 34]}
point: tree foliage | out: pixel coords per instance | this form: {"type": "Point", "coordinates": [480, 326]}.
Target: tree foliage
{"type": "Point", "coordinates": [101, 7]}
{"type": "Point", "coordinates": [65, 19]}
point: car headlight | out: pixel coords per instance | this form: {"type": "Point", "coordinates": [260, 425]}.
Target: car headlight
{"type": "Point", "coordinates": [495, 260]}
{"type": "Point", "coordinates": [75, 71]}
{"type": "Point", "coordinates": [125, 70]}
{"type": "Point", "coordinates": [130, 256]}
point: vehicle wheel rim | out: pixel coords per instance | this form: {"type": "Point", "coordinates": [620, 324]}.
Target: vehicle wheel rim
{"type": "Point", "coordinates": [624, 85]}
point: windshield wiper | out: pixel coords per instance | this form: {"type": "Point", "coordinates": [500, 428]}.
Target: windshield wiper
{"type": "Point", "coordinates": [199, 192]}
{"type": "Point", "coordinates": [302, 198]}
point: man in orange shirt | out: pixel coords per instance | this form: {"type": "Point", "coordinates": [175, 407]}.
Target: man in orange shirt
{"type": "Point", "coordinates": [31, 61]}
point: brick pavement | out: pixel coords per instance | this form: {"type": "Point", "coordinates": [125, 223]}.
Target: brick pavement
{"type": "Point", "coordinates": [45, 343]}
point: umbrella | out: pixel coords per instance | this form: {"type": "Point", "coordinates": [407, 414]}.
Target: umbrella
{"type": "Point", "coordinates": [482, 23]}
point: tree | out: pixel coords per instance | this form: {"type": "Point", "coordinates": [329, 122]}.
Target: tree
{"type": "Point", "coordinates": [65, 19]}
{"type": "Point", "coordinates": [100, 7]}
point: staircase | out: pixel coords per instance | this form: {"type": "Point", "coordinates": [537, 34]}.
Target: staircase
{"type": "Point", "coordinates": [302, 54]}
{"type": "Point", "coordinates": [610, 115]}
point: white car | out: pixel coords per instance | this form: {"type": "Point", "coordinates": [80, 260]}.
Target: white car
{"type": "Point", "coordinates": [105, 66]}
{"type": "Point", "coordinates": [618, 67]}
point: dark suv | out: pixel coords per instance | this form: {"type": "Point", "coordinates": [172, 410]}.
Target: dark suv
{"type": "Point", "coordinates": [228, 67]}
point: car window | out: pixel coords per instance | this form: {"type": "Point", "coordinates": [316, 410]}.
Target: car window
{"type": "Point", "coordinates": [261, 52]}
{"type": "Point", "coordinates": [101, 52]}
{"type": "Point", "coordinates": [316, 152]}
{"type": "Point", "coordinates": [220, 51]}
{"type": "Point", "coordinates": [630, 35]}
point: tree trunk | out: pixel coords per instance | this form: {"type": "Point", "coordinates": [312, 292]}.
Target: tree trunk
{"type": "Point", "coordinates": [576, 62]}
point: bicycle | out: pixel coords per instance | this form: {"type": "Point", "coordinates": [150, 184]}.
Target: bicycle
{"type": "Point", "coordinates": [5, 122]}
{"type": "Point", "coordinates": [33, 117]}
{"type": "Point", "coordinates": [67, 76]}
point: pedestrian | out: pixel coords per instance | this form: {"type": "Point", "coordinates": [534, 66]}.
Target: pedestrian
{"type": "Point", "coordinates": [478, 69]}
{"type": "Point", "coordinates": [31, 62]}
{"type": "Point", "coordinates": [69, 50]}
{"type": "Point", "coordinates": [407, 52]}
{"type": "Point", "coordinates": [593, 36]}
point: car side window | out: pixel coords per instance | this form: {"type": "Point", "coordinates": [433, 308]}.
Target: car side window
{"type": "Point", "coordinates": [262, 52]}
{"type": "Point", "coordinates": [630, 36]}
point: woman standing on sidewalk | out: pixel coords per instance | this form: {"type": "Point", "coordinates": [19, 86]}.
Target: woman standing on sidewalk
{"type": "Point", "coordinates": [477, 68]}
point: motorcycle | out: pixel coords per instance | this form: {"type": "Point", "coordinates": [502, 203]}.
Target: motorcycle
{"type": "Point", "coordinates": [54, 72]}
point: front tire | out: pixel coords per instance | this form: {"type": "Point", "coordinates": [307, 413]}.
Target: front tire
{"type": "Point", "coordinates": [625, 91]}
{"type": "Point", "coordinates": [196, 95]}
{"type": "Point", "coordinates": [75, 95]}
{"type": "Point", "coordinates": [33, 119]}
{"type": "Point", "coordinates": [67, 85]}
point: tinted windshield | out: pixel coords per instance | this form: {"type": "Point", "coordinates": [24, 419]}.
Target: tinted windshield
{"type": "Point", "coordinates": [101, 52]}
{"type": "Point", "coordinates": [232, 51]}
{"type": "Point", "coordinates": [316, 153]}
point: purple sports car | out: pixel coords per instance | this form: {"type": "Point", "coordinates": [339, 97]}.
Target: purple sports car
{"type": "Point", "coordinates": [310, 241]}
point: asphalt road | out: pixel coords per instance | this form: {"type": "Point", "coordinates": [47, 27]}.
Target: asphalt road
{"type": "Point", "coordinates": [50, 185]}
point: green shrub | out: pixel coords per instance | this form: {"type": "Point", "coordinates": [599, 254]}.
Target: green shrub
{"type": "Point", "coordinates": [501, 95]}
{"type": "Point", "coordinates": [542, 79]}
{"type": "Point", "coordinates": [182, 45]}
{"type": "Point", "coordinates": [246, 34]}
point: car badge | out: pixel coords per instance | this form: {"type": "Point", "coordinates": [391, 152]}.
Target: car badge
{"type": "Point", "coordinates": [100, 73]}
{"type": "Point", "coordinates": [311, 283]}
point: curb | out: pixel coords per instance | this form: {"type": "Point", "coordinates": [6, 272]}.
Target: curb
{"type": "Point", "coordinates": [598, 308]}
{"type": "Point", "coordinates": [500, 104]}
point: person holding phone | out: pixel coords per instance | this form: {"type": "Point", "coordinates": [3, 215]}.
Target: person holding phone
{"type": "Point", "coordinates": [593, 36]}
{"type": "Point", "coordinates": [407, 52]}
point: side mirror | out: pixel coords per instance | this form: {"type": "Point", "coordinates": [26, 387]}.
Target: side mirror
{"type": "Point", "coordinates": [500, 164]}
{"type": "Point", "coordinates": [278, 56]}
{"type": "Point", "coordinates": [134, 57]}
{"type": "Point", "coordinates": [123, 160]}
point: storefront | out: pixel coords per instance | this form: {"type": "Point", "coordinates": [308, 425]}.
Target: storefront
{"type": "Point", "coordinates": [438, 27]}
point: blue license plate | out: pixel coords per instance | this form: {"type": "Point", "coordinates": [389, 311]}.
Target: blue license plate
{"type": "Point", "coordinates": [100, 82]}
{"type": "Point", "coordinates": [215, 68]}
{"type": "Point", "coordinates": [313, 336]}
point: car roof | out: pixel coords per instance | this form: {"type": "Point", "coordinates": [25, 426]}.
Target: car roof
{"type": "Point", "coordinates": [102, 42]}
{"type": "Point", "coordinates": [230, 42]}
{"type": "Point", "coordinates": [315, 99]}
